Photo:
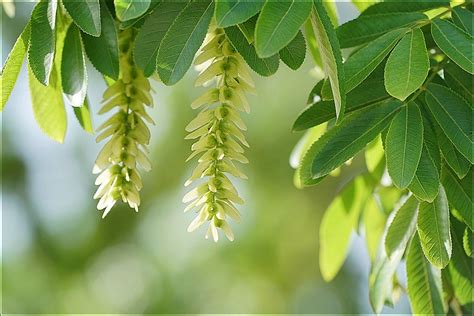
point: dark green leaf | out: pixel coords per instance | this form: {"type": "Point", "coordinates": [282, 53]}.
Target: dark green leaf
{"type": "Point", "coordinates": [467, 242]}
{"type": "Point", "coordinates": [459, 81]}
{"type": "Point", "coordinates": [103, 51]}
{"type": "Point", "coordinates": [86, 15]}
{"type": "Point", "coordinates": [464, 19]}
{"type": "Point", "coordinates": [152, 33]}
{"type": "Point", "coordinates": [402, 227]}
{"type": "Point", "coordinates": [433, 229]}
{"type": "Point", "coordinates": [130, 9]}
{"type": "Point", "coordinates": [368, 93]}
{"type": "Point", "coordinates": [83, 116]}
{"type": "Point", "coordinates": [404, 144]}
{"type": "Point", "coordinates": [404, 6]}
{"type": "Point", "coordinates": [343, 141]}
{"type": "Point", "coordinates": [182, 41]}
{"type": "Point", "coordinates": [454, 115]}
{"type": "Point", "coordinates": [278, 23]}
{"type": "Point", "coordinates": [454, 42]}
{"type": "Point", "coordinates": [13, 64]}
{"type": "Point", "coordinates": [232, 12]}
{"type": "Point", "coordinates": [367, 28]}
{"type": "Point", "coordinates": [459, 193]}
{"type": "Point", "coordinates": [262, 66]}
{"type": "Point", "coordinates": [294, 53]}
{"type": "Point", "coordinates": [73, 68]}
{"type": "Point", "coordinates": [424, 282]}
{"type": "Point", "coordinates": [330, 55]}
{"type": "Point", "coordinates": [248, 28]}
{"type": "Point", "coordinates": [407, 66]}
{"type": "Point", "coordinates": [42, 41]}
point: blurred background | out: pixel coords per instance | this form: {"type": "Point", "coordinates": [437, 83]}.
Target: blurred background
{"type": "Point", "coordinates": [59, 256]}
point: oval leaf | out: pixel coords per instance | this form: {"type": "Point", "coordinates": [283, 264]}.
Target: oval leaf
{"type": "Point", "coordinates": [278, 23]}
{"type": "Point", "coordinates": [294, 53]}
{"type": "Point", "coordinates": [454, 42]}
{"type": "Point", "coordinates": [86, 15]}
{"type": "Point", "coordinates": [83, 116]}
{"type": "Point", "coordinates": [130, 9]}
{"type": "Point", "coordinates": [459, 193]}
{"type": "Point", "coordinates": [463, 18]}
{"type": "Point", "coordinates": [182, 41]}
{"type": "Point", "coordinates": [403, 145]}
{"type": "Point", "coordinates": [433, 230]}
{"type": "Point", "coordinates": [232, 12]}
{"type": "Point", "coordinates": [459, 81]}
{"type": "Point", "coordinates": [407, 66]}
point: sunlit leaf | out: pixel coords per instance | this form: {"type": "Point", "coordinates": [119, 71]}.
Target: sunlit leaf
{"type": "Point", "coordinates": [130, 9]}
{"type": "Point", "coordinates": [459, 193]}
{"type": "Point", "coordinates": [85, 14]}
{"type": "Point", "coordinates": [232, 12]}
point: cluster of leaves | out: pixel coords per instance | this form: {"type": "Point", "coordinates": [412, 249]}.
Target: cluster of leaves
{"type": "Point", "coordinates": [404, 93]}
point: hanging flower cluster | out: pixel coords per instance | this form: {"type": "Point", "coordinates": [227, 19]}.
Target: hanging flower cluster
{"type": "Point", "coordinates": [126, 149]}
{"type": "Point", "coordinates": [218, 130]}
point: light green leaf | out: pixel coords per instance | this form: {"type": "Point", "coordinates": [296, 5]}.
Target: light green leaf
{"type": "Point", "coordinates": [330, 55]}
{"type": "Point", "coordinates": [262, 66]}
{"type": "Point", "coordinates": [73, 68]}
{"type": "Point", "coordinates": [467, 242]}
{"type": "Point", "coordinates": [86, 15]}
{"type": "Point", "coordinates": [407, 66]}
{"type": "Point", "coordinates": [83, 116]}
{"type": "Point", "coordinates": [103, 51]}
{"type": "Point", "coordinates": [402, 227]}
{"type": "Point", "coordinates": [182, 41]}
{"type": "Point", "coordinates": [361, 64]}
{"type": "Point", "coordinates": [464, 19]}
{"type": "Point", "coordinates": [424, 282]}
{"type": "Point", "coordinates": [337, 225]}
{"type": "Point", "coordinates": [404, 144]}
{"type": "Point", "coordinates": [459, 81]}
{"type": "Point", "coordinates": [367, 28]}
{"type": "Point", "coordinates": [344, 141]}
{"type": "Point", "coordinates": [150, 35]}
{"type": "Point", "coordinates": [459, 193]}
{"type": "Point", "coordinates": [278, 23]}
{"type": "Point", "coordinates": [374, 223]}
{"type": "Point", "coordinates": [42, 41]}
{"type": "Point", "coordinates": [130, 9]}
{"type": "Point", "coordinates": [232, 12]}
{"type": "Point", "coordinates": [454, 42]}
{"type": "Point", "coordinates": [13, 64]}
{"type": "Point", "coordinates": [294, 53]}
{"type": "Point", "coordinates": [454, 115]}
{"type": "Point", "coordinates": [312, 43]}
{"type": "Point", "coordinates": [374, 154]}
{"type": "Point", "coordinates": [367, 94]}
{"type": "Point", "coordinates": [461, 267]}
{"type": "Point", "coordinates": [433, 229]}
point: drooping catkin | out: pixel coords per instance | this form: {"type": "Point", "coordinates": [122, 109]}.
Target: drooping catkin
{"type": "Point", "coordinates": [218, 130]}
{"type": "Point", "coordinates": [127, 132]}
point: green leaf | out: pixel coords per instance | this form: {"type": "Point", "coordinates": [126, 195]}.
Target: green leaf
{"type": "Point", "coordinates": [278, 23]}
{"type": "Point", "coordinates": [248, 28]}
{"type": "Point", "coordinates": [232, 12]}
{"type": "Point", "coordinates": [459, 193]}
{"type": "Point", "coordinates": [13, 64]}
{"type": "Point", "coordinates": [343, 141]}
{"type": "Point", "coordinates": [459, 81]}
{"type": "Point", "coordinates": [330, 55]}
{"type": "Point", "coordinates": [433, 229]}
{"type": "Point", "coordinates": [404, 144]}
{"type": "Point", "coordinates": [293, 54]}
{"type": "Point", "coordinates": [73, 68]}
{"type": "Point", "coordinates": [367, 28]}
{"type": "Point", "coordinates": [460, 267]}
{"type": "Point", "coordinates": [312, 43]}
{"type": "Point", "coordinates": [425, 184]}
{"type": "Point", "coordinates": [454, 42]}
{"type": "Point", "coordinates": [182, 41]}
{"type": "Point", "coordinates": [367, 94]}
{"type": "Point", "coordinates": [402, 227]}
{"type": "Point", "coordinates": [42, 40]}
{"type": "Point", "coordinates": [374, 223]}
{"type": "Point", "coordinates": [103, 51]}
{"type": "Point", "coordinates": [86, 15]}
{"type": "Point", "coordinates": [48, 106]}
{"type": "Point", "coordinates": [404, 6]}
{"type": "Point", "coordinates": [337, 225]}
{"type": "Point", "coordinates": [374, 154]}
{"type": "Point", "coordinates": [130, 9]}
{"type": "Point", "coordinates": [83, 116]}
{"type": "Point", "coordinates": [407, 66]}
{"type": "Point", "coordinates": [262, 66]}
{"type": "Point", "coordinates": [454, 115]}
{"type": "Point", "coordinates": [424, 282]}
{"type": "Point", "coordinates": [467, 241]}
{"type": "Point", "coordinates": [464, 19]}
{"type": "Point", "coordinates": [152, 33]}
{"type": "Point", "coordinates": [361, 64]}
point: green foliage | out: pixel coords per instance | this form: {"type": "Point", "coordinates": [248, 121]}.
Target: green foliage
{"type": "Point", "coordinates": [232, 12]}
{"type": "Point", "coordinates": [130, 9]}
{"type": "Point", "coordinates": [86, 15]}
{"type": "Point", "coordinates": [294, 53]}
